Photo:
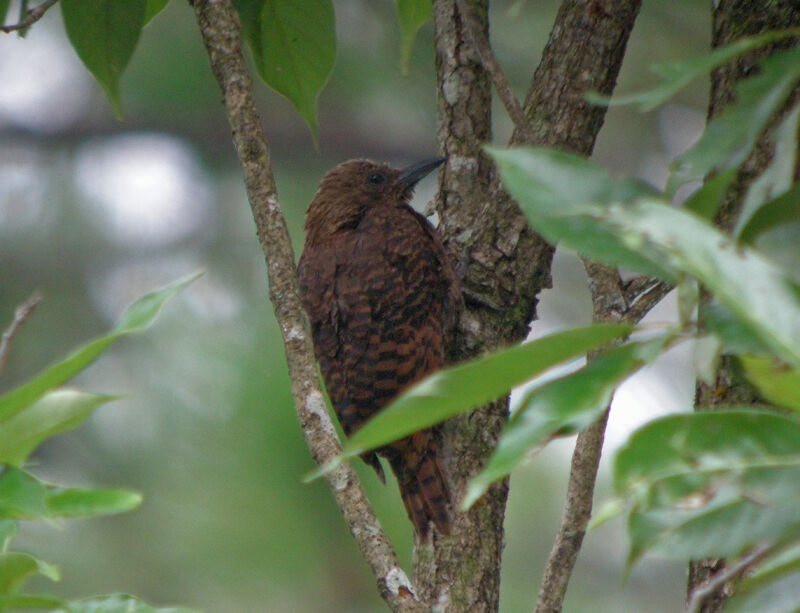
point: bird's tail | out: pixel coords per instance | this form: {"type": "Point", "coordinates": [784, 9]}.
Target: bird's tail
{"type": "Point", "coordinates": [423, 487]}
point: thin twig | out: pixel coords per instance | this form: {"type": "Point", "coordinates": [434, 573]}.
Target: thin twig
{"type": "Point", "coordinates": [21, 314]}
{"type": "Point", "coordinates": [612, 301]}
{"type": "Point", "coordinates": [221, 28]}
{"type": "Point", "coordinates": [576, 515]}
{"type": "Point", "coordinates": [609, 302]}
{"type": "Point", "coordinates": [642, 298]}
{"type": "Point", "coordinates": [495, 71]}
{"type": "Point", "coordinates": [729, 573]}
{"type": "Point", "coordinates": [31, 17]}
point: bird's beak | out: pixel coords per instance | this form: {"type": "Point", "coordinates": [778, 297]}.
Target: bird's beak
{"type": "Point", "coordinates": [410, 175]}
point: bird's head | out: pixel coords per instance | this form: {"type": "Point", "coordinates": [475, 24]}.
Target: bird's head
{"type": "Point", "coordinates": [352, 187]}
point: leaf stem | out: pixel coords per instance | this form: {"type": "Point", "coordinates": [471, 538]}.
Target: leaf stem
{"type": "Point", "coordinates": [21, 314]}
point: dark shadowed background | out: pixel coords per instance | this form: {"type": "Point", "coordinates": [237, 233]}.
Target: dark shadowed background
{"type": "Point", "coordinates": [94, 212]}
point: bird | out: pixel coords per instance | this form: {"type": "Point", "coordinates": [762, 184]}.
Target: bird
{"type": "Point", "coordinates": [383, 301]}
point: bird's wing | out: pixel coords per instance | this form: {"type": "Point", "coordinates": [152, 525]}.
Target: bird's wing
{"type": "Point", "coordinates": [316, 275]}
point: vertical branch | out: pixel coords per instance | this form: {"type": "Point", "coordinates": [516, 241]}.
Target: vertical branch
{"type": "Point", "coordinates": [612, 302]}
{"type": "Point", "coordinates": [504, 263]}
{"type": "Point", "coordinates": [220, 27]}
{"type": "Point", "coordinates": [608, 305]}
{"type": "Point", "coordinates": [478, 39]}
{"type": "Point", "coordinates": [585, 51]}
{"type": "Point", "coordinates": [462, 572]}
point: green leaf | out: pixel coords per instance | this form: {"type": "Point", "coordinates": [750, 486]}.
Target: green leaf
{"type": "Point", "coordinates": [118, 603]}
{"type": "Point", "coordinates": [57, 411]}
{"type": "Point", "coordinates": [412, 14]}
{"type": "Point", "coordinates": [774, 586]}
{"type": "Point", "coordinates": [4, 4]}
{"type": "Point", "coordinates": [607, 511]}
{"type": "Point", "coordinates": [23, 496]}
{"type": "Point", "coordinates": [39, 602]}
{"type": "Point", "coordinates": [294, 48]}
{"type": "Point", "coordinates": [706, 358]}
{"type": "Point", "coordinates": [781, 244]}
{"type": "Point", "coordinates": [649, 230]}
{"type": "Point", "coordinates": [737, 337]}
{"type": "Point", "coordinates": [551, 186]}
{"type": "Point", "coordinates": [104, 34]}
{"type": "Point", "coordinates": [782, 210]}
{"type": "Point", "coordinates": [710, 484]}
{"type": "Point", "coordinates": [8, 530]}
{"type": "Point", "coordinates": [778, 596]}
{"type": "Point", "coordinates": [66, 503]}
{"type": "Point", "coordinates": [730, 137]}
{"type": "Point", "coordinates": [688, 298]}
{"type": "Point", "coordinates": [563, 406]}
{"type": "Point", "coordinates": [678, 74]}
{"type": "Point", "coordinates": [777, 382]}
{"type": "Point", "coordinates": [705, 202]}
{"type": "Point", "coordinates": [776, 179]}
{"type": "Point", "coordinates": [250, 16]}
{"type": "Point", "coordinates": [755, 290]}
{"type": "Point", "coordinates": [16, 567]}
{"type": "Point", "coordinates": [142, 313]}
{"type": "Point", "coordinates": [466, 386]}
{"type": "Point", "coordinates": [139, 316]}
{"type": "Point", "coordinates": [154, 7]}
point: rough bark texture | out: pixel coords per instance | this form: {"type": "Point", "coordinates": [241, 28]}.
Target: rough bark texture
{"type": "Point", "coordinates": [584, 52]}
{"type": "Point", "coordinates": [503, 262]}
{"type": "Point", "coordinates": [220, 27]}
{"type": "Point", "coordinates": [734, 19]}
{"type": "Point", "coordinates": [461, 572]}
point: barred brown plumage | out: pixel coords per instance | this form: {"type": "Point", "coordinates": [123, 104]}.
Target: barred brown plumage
{"type": "Point", "coordinates": [383, 301]}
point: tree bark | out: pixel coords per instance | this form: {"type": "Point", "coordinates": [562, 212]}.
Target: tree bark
{"type": "Point", "coordinates": [220, 27]}
{"type": "Point", "coordinates": [734, 19]}
{"type": "Point", "coordinates": [503, 262]}
{"type": "Point", "coordinates": [461, 572]}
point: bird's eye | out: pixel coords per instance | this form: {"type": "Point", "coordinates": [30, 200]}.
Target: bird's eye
{"type": "Point", "coordinates": [376, 178]}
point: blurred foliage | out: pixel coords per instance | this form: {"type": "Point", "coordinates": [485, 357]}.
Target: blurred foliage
{"type": "Point", "coordinates": [29, 415]}
{"type": "Point", "coordinates": [207, 430]}
{"type": "Point", "coordinates": [412, 14]}
{"type": "Point", "coordinates": [712, 483]}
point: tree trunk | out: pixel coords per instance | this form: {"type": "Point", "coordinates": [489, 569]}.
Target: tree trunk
{"type": "Point", "coordinates": [504, 263]}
